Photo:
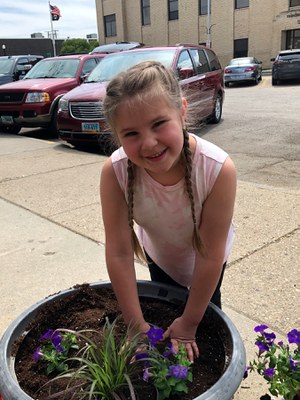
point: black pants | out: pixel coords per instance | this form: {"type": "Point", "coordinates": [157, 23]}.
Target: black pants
{"type": "Point", "coordinates": [158, 275]}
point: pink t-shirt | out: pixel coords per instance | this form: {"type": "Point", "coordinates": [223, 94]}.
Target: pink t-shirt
{"type": "Point", "coordinates": [163, 213]}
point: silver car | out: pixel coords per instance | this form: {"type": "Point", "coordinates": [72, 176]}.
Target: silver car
{"type": "Point", "coordinates": [243, 69]}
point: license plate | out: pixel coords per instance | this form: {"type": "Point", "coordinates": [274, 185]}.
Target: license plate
{"type": "Point", "coordinates": [90, 127]}
{"type": "Point", "coordinates": [237, 77]}
{"type": "Point", "coordinates": [7, 119]}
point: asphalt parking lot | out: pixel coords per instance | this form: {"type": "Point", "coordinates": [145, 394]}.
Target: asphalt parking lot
{"type": "Point", "coordinates": [52, 235]}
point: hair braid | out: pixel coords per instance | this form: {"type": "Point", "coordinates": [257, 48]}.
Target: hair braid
{"type": "Point", "coordinates": [130, 194]}
{"type": "Point", "coordinates": [187, 154]}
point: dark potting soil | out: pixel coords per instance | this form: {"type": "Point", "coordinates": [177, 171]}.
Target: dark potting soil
{"type": "Point", "coordinates": [88, 308]}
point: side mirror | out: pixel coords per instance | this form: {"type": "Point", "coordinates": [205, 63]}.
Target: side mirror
{"type": "Point", "coordinates": [185, 73]}
{"type": "Point", "coordinates": [272, 59]}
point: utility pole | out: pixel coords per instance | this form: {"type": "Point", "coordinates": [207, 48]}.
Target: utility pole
{"type": "Point", "coordinates": [52, 32]}
{"type": "Point", "coordinates": [208, 40]}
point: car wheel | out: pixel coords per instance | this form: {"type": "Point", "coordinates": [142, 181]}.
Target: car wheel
{"type": "Point", "coordinates": [10, 129]}
{"type": "Point", "coordinates": [274, 81]}
{"type": "Point", "coordinates": [226, 84]}
{"type": "Point", "coordinates": [216, 115]}
{"type": "Point", "coordinates": [256, 80]}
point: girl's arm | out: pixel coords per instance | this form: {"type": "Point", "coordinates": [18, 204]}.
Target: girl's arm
{"type": "Point", "coordinates": [216, 218]}
{"type": "Point", "coordinates": [118, 248]}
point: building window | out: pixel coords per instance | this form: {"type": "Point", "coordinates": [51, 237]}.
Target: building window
{"type": "Point", "coordinates": [110, 25]}
{"type": "Point", "coordinates": [145, 7]}
{"type": "Point", "coordinates": [293, 39]}
{"type": "Point", "coordinates": [241, 3]}
{"type": "Point", "coordinates": [173, 9]}
{"type": "Point", "coordinates": [294, 3]}
{"type": "Point", "coordinates": [240, 48]}
{"type": "Point", "coordinates": [203, 7]}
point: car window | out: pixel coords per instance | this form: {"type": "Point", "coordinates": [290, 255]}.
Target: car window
{"type": "Point", "coordinates": [214, 62]}
{"type": "Point", "coordinates": [88, 66]}
{"type": "Point", "coordinates": [54, 68]}
{"type": "Point", "coordinates": [21, 62]}
{"type": "Point", "coordinates": [184, 61]}
{"type": "Point", "coordinates": [289, 56]}
{"type": "Point", "coordinates": [6, 65]}
{"type": "Point", "coordinates": [113, 64]}
{"type": "Point", "coordinates": [200, 61]}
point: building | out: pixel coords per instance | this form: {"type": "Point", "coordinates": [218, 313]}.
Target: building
{"type": "Point", "coordinates": [40, 46]}
{"type": "Point", "coordinates": [233, 28]}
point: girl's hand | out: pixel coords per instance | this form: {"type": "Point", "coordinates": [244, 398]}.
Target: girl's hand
{"type": "Point", "coordinates": [180, 333]}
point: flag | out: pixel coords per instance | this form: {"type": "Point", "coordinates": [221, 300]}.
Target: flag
{"type": "Point", "coordinates": [55, 13]}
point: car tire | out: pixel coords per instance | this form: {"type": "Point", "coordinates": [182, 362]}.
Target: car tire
{"type": "Point", "coordinates": [274, 81]}
{"type": "Point", "coordinates": [217, 113]}
{"type": "Point", "coordinates": [226, 84]}
{"type": "Point", "coordinates": [14, 129]}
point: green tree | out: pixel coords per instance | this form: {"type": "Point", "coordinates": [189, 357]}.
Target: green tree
{"type": "Point", "coordinates": [79, 46]}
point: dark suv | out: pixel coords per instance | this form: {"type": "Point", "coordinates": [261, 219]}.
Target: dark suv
{"type": "Point", "coordinates": [32, 101]}
{"type": "Point", "coordinates": [286, 65]}
{"type": "Point", "coordinates": [13, 68]}
{"type": "Point", "coordinates": [80, 117]}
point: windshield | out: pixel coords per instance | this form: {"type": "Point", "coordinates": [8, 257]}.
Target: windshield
{"type": "Point", "coordinates": [6, 65]}
{"type": "Point", "coordinates": [113, 64]}
{"type": "Point", "coordinates": [241, 61]}
{"type": "Point", "coordinates": [64, 68]}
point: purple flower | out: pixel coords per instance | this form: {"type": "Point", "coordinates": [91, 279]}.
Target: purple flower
{"type": "Point", "coordinates": [260, 328]}
{"type": "Point", "coordinates": [262, 347]}
{"type": "Point", "coordinates": [294, 337]}
{"type": "Point", "coordinates": [293, 364]}
{"type": "Point", "coordinates": [37, 354]}
{"type": "Point", "coordinates": [280, 343]}
{"type": "Point", "coordinates": [155, 334]}
{"type": "Point", "coordinates": [146, 375]}
{"type": "Point", "coordinates": [169, 351]}
{"type": "Point", "coordinates": [143, 357]}
{"type": "Point", "coordinates": [47, 335]}
{"type": "Point", "coordinates": [179, 371]}
{"type": "Point", "coordinates": [56, 340]}
{"type": "Point", "coordinates": [246, 373]}
{"type": "Point", "coordinates": [269, 372]}
{"type": "Point", "coordinates": [270, 337]}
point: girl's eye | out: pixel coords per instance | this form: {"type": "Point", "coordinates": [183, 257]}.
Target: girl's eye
{"type": "Point", "coordinates": [159, 123]}
{"type": "Point", "coordinates": [129, 134]}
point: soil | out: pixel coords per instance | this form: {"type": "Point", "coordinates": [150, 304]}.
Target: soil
{"type": "Point", "coordinates": [88, 308]}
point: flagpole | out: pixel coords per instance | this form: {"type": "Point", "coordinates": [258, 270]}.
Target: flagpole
{"type": "Point", "coordinates": [52, 31]}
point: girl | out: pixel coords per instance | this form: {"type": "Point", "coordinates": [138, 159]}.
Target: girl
{"type": "Point", "coordinates": [178, 188]}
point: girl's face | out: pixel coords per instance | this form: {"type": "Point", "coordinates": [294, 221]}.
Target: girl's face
{"type": "Point", "coordinates": [151, 134]}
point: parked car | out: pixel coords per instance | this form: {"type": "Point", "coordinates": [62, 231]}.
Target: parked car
{"type": "Point", "coordinates": [13, 68]}
{"type": "Point", "coordinates": [117, 46]}
{"type": "Point", "coordinates": [33, 101]}
{"type": "Point", "coordinates": [286, 65]}
{"type": "Point", "coordinates": [243, 69]}
{"type": "Point", "coordinates": [80, 116]}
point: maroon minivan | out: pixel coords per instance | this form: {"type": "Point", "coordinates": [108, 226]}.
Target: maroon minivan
{"type": "Point", "coordinates": [80, 114]}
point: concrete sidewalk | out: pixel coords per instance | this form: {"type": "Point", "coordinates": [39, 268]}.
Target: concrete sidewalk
{"type": "Point", "coordinates": [51, 242]}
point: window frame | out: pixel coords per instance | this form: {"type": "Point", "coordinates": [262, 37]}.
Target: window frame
{"type": "Point", "coordinates": [294, 5]}
{"type": "Point", "coordinates": [173, 14]}
{"type": "Point", "coordinates": [203, 7]}
{"type": "Point", "coordinates": [145, 12]}
{"type": "Point", "coordinates": [110, 26]}
{"type": "Point", "coordinates": [238, 4]}
{"type": "Point", "coordinates": [243, 52]}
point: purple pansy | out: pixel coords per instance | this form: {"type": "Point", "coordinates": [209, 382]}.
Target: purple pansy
{"type": "Point", "coordinates": [37, 354]}
{"type": "Point", "coordinates": [269, 372]}
{"type": "Point", "coordinates": [262, 347]}
{"type": "Point", "coordinates": [179, 371]}
{"type": "Point", "coordinates": [146, 375]}
{"type": "Point", "coordinates": [270, 337]}
{"type": "Point", "coordinates": [155, 334]}
{"type": "Point", "coordinates": [294, 337]}
{"type": "Point", "coordinates": [56, 340]}
{"type": "Point", "coordinates": [170, 350]}
{"type": "Point", "coordinates": [260, 328]}
{"type": "Point", "coordinates": [143, 357]}
{"type": "Point", "coordinates": [47, 335]}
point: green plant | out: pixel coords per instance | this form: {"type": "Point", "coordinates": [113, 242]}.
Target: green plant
{"type": "Point", "coordinates": [54, 349]}
{"type": "Point", "coordinates": [102, 372]}
{"type": "Point", "coordinates": [278, 363]}
{"type": "Point", "coordinates": [168, 371]}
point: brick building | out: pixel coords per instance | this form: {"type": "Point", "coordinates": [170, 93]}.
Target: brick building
{"type": "Point", "coordinates": [235, 27]}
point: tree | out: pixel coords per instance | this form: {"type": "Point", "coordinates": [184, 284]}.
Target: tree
{"type": "Point", "coordinates": [79, 46]}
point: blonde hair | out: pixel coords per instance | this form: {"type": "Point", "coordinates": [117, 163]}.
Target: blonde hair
{"type": "Point", "coordinates": [147, 80]}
